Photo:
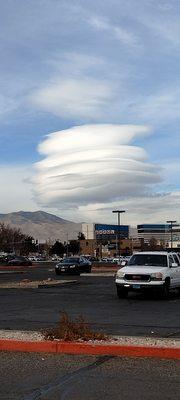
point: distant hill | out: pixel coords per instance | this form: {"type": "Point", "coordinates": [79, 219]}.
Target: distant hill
{"type": "Point", "coordinates": [42, 225]}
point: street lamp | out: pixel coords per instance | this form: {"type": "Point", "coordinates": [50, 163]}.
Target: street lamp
{"type": "Point", "coordinates": [119, 212]}
{"type": "Point", "coordinates": [171, 226]}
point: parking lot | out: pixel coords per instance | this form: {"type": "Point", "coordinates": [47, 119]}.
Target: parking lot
{"type": "Point", "coordinates": [95, 298]}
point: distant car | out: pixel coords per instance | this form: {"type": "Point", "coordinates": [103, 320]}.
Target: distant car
{"type": "Point", "coordinates": [19, 260]}
{"type": "Point", "coordinates": [39, 259]}
{"type": "Point", "coordinates": [73, 265]}
{"type": "Point", "coordinates": [56, 259]}
{"type": "Point", "coordinates": [117, 260]}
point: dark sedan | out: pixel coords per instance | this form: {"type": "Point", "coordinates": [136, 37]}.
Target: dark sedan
{"type": "Point", "coordinates": [19, 261]}
{"type": "Point", "coordinates": [73, 265]}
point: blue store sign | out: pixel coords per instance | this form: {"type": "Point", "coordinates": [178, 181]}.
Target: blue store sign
{"type": "Point", "coordinates": [111, 231]}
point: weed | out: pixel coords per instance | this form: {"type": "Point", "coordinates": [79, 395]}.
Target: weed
{"type": "Point", "coordinates": [69, 330]}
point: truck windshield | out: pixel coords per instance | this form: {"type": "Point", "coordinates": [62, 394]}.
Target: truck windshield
{"type": "Point", "coordinates": [148, 259]}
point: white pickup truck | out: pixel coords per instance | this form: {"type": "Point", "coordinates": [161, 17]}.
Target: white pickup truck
{"type": "Point", "coordinates": [159, 271]}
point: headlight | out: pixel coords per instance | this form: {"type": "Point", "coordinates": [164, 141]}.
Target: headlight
{"type": "Point", "coordinates": [157, 276]}
{"type": "Point", "coordinates": [72, 266]}
{"type": "Point", "coordinates": [120, 274]}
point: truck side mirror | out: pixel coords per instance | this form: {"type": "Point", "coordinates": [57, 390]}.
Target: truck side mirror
{"type": "Point", "coordinates": [123, 263]}
{"type": "Point", "coordinates": [173, 265]}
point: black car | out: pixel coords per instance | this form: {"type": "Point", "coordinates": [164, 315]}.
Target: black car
{"type": "Point", "coordinates": [19, 260]}
{"type": "Point", "coordinates": [73, 265]}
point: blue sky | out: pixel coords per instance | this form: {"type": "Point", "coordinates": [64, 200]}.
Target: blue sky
{"type": "Point", "coordinates": [72, 63]}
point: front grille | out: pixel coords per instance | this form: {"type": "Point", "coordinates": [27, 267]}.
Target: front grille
{"type": "Point", "coordinates": [137, 277]}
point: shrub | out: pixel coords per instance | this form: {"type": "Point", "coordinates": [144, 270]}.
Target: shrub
{"type": "Point", "coordinates": [69, 330]}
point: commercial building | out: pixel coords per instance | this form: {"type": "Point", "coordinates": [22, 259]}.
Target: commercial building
{"type": "Point", "coordinates": [105, 231]}
{"type": "Point", "coordinates": [159, 232]}
{"type": "Point", "coordinates": [105, 240]}
{"type": "Point", "coordinates": [110, 240]}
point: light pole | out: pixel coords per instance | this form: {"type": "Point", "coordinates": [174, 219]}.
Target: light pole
{"type": "Point", "coordinates": [171, 226]}
{"type": "Point", "coordinates": [119, 212]}
{"type": "Point", "coordinates": [67, 246]}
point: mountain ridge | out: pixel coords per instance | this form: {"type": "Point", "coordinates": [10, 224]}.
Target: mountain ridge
{"type": "Point", "coordinates": [42, 225]}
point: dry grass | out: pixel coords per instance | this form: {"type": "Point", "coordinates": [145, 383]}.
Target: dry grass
{"type": "Point", "coordinates": [69, 330]}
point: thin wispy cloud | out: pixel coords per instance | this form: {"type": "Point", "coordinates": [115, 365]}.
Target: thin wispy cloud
{"type": "Point", "coordinates": [141, 209]}
{"type": "Point", "coordinates": [7, 105]}
{"type": "Point", "coordinates": [124, 36]}
{"type": "Point", "coordinates": [74, 98]}
{"type": "Point", "coordinates": [157, 107]}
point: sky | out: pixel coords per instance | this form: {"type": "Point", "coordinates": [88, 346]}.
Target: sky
{"type": "Point", "coordinates": [90, 109]}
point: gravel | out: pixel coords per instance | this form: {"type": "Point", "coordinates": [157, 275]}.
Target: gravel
{"type": "Point", "coordinates": [113, 340]}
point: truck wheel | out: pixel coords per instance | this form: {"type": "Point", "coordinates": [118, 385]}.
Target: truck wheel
{"type": "Point", "coordinates": [122, 292]}
{"type": "Point", "coordinates": [165, 290]}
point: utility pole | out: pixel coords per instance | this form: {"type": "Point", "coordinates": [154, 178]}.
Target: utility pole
{"type": "Point", "coordinates": [172, 223]}
{"type": "Point", "coordinates": [119, 212]}
{"type": "Point", "coordinates": [67, 247]}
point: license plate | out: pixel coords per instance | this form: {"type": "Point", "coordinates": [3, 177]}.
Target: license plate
{"type": "Point", "coordinates": [136, 286]}
{"type": "Point", "coordinates": [62, 269]}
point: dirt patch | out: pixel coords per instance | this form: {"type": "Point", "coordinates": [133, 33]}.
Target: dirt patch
{"type": "Point", "coordinates": [27, 284]}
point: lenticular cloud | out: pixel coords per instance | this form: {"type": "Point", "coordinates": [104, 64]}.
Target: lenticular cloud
{"type": "Point", "coordinates": [92, 164]}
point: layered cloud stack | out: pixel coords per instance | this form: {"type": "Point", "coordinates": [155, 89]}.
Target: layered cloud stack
{"type": "Point", "coordinates": [93, 164]}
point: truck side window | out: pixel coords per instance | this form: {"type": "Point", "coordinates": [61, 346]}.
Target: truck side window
{"type": "Point", "coordinates": [176, 259]}
{"type": "Point", "coordinates": [170, 260]}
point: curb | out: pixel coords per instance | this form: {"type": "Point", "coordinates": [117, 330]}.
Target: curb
{"type": "Point", "coordinates": [89, 349]}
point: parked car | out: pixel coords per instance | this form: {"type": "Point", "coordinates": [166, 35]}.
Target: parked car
{"type": "Point", "coordinates": [159, 271]}
{"type": "Point", "coordinates": [73, 265]}
{"type": "Point", "coordinates": [19, 260]}
{"type": "Point", "coordinates": [117, 260]}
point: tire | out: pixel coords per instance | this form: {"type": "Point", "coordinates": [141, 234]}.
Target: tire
{"type": "Point", "coordinates": [122, 293]}
{"type": "Point", "coordinates": [58, 272]}
{"type": "Point", "coordinates": [164, 293]}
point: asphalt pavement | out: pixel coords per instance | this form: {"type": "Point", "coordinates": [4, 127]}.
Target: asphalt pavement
{"type": "Point", "coordinates": [25, 376]}
{"type": "Point", "coordinates": [93, 297]}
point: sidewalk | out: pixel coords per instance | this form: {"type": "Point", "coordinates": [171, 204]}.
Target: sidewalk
{"type": "Point", "coordinates": [117, 346]}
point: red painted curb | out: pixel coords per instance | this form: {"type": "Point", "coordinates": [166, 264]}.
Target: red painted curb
{"type": "Point", "coordinates": [91, 349]}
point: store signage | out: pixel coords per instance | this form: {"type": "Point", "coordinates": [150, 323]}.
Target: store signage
{"type": "Point", "coordinates": [105, 232]}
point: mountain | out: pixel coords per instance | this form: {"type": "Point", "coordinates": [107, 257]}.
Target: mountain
{"type": "Point", "coordinates": [42, 226]}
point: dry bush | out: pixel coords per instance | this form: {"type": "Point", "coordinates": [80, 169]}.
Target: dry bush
{"type": "Point", "coordinates": [69, 330]}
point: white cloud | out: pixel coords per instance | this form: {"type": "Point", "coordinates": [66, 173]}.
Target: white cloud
{"type": "Point", "coordinates": [74, 98]}
{"type": "Point", "coordinates": [93, 164]}
{"type": "Point", "coordinates": [87, 88]}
